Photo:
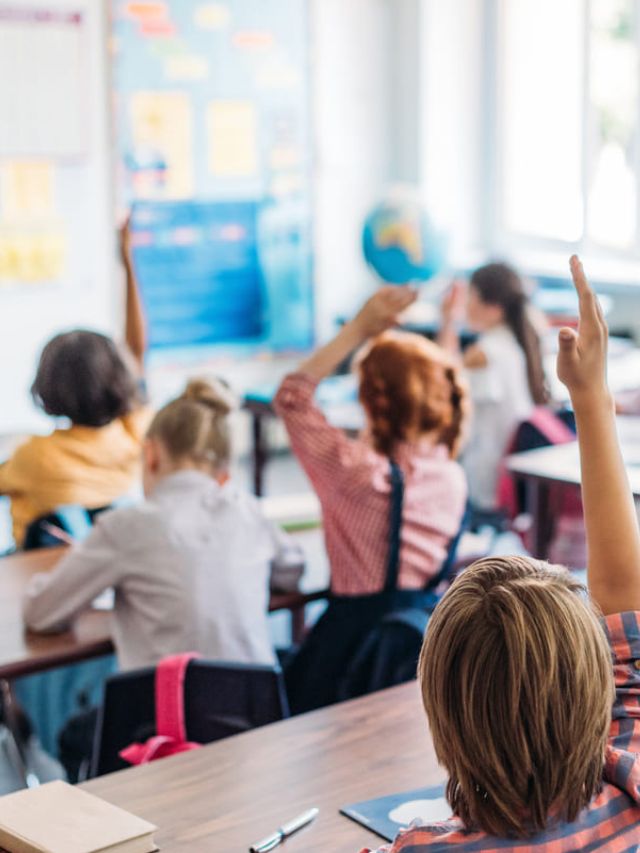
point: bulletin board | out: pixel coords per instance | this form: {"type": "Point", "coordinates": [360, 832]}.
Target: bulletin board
{"type": "Point", "coordinates": [213, 134]}
{"type": "Point", "coordinates": [57, 249]}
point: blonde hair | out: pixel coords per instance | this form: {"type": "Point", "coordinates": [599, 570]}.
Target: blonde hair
{"type": "Point", "coordinates": [195, 426]}
{"type": "Point", "coordinates": [517, 683]}
{"type": "Point", "coordinates": [409, 387]}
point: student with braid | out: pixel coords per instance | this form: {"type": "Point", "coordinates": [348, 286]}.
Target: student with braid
{"type": "Point", "coordinates": [504, 368]}
{"type": "Point", "coordinates": [404, 462]}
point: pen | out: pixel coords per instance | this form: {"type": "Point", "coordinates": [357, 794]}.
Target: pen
{"type": "Point", "coordinates": [284, 831]}
{"type": "Point", "coordinates": [57, 533]}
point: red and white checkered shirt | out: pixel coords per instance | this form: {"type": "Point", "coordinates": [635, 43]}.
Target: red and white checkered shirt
{"type": "Point", "coordinates": [353, 485]}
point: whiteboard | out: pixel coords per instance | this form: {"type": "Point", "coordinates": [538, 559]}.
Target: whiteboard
{"type": "Point", "coordinates": [57, 245]}
{"type": "Point", "coordinates": [43, 68]}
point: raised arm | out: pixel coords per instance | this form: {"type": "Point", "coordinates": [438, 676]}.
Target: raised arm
{"type": "Point", "coordinates": [451, 315]}
{"type": "Point", "coordinates": [613, 539]}
{"type": "Point", "coordinates": [379, 313]}
{"type": "Point", "coordinates": [135, 324]}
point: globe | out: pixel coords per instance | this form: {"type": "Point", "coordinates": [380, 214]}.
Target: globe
{"type": "Point", "coordinates": [400, 242]}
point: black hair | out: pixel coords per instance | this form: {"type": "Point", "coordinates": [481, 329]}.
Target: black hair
{"type": "Point", "coordinates": [83, 376]}
{"type": "Point", "coordinates": [499, 284]}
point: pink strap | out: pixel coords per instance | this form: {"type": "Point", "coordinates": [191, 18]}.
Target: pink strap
{"type": "Point", "coordinates": [170, 675]}
{"type": "Point", "coordinates": [553, 429]}
{"type": "Point", "coordinates": [154, 748]}
{"type": "Point", "coordinates": [551, 426]}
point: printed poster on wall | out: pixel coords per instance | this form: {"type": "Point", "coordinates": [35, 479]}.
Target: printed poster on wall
{"type": "Point", "coordinates": [213, 128]}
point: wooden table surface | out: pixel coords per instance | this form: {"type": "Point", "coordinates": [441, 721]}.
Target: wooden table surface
{"type": "Point", "coordinates": [561, 462]}
{"type": "Point", "coordinates": [230, 794]}
{"type": "Point", "coordinates": [23, 652]}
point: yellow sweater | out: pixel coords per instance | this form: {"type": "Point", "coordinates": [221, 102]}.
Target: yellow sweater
{"type": "Point", "coordinates": [87, 466]}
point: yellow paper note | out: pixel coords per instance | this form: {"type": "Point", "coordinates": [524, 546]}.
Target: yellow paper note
{"type": "Point", "coordinates": [233, 138]}
{"type": "Point", "coordinates": [29, 257]}
{"type": "Point", "coordinates": [162, 138]}
{"type": "Point", "coordinates": [26, 190]}
{"type": "Point", "coordinates": [212, 16]}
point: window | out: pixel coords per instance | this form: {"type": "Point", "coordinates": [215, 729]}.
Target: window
{"type": "Point", "coordinates": [566, 131]}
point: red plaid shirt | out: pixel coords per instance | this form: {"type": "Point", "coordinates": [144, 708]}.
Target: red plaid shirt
{"type": "Point", "coordinates": [352, 484]}
{"type": "Point", "coordinates": [611, 822]}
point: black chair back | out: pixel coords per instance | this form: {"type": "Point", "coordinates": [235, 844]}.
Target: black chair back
{"type": "Point", "coordinates": [221, 699]}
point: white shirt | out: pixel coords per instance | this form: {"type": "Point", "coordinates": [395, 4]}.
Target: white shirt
{"type": "Point", "coordinates": [501, 400]}
{"type": "Point", "coordinates": [190, 567]}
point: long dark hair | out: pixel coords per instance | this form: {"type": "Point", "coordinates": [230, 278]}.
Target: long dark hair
{"type": "Point", "coordinates": [499, 284]}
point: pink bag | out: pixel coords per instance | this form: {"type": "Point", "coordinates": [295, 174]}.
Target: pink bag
{"type": "Point", "coordinates": [568, 543]}
{"type": "Point", "coordinates": [171, 737]}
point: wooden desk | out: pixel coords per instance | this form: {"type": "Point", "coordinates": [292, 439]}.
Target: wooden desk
{"type": "Point", "coordinates": [23, 652]}
{"type": "Point", "coordinates": [560, 464]}
{"type": "Point", "coordinates": [336, 396]}
{"type": "Point", "coordinates": [229, 794]}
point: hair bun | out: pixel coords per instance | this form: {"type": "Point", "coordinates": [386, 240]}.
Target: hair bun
{"type": "Point", "coordinates": [213, 393]}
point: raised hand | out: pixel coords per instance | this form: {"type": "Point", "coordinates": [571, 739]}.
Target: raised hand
{"type": "Point", "coordinates": [383, 309]}
{"type": "Point", "coordinates": [582, 356]}
{"type": "Point", "coordinates": [452, 306]}
{"type": "Point", "coordinates": [124, 233]}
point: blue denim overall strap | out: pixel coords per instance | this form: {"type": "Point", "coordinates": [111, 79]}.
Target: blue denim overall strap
{"type": "Point", "coordinates": [395, 526]}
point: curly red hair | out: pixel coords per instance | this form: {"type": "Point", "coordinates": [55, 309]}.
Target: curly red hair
{"type": "Point", "coordinates": [410, 388]}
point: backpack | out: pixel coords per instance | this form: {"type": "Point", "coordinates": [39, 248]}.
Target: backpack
{"type": "Point", "coordinates": [542, 429]}
{"type": "Point", "coordinates": [171, 736]}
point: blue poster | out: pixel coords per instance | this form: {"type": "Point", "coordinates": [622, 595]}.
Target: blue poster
{"type": "Point", "coordinates": [213, 136]}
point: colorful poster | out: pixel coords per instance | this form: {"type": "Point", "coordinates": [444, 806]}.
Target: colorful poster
{"type": "Point", "coordinates": [213, 129]}
{"type": "Point", "coordinates": [161, 159]}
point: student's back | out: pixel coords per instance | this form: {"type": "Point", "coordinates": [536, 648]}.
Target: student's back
{"type": "Point", "coordinates": [82, 465]}
{"type": "Point", "coordinates": [190, 565]}
{"type": "Point", "coordinates": [415, 410]}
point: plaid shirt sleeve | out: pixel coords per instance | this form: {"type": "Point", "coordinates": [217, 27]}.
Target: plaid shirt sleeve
{"type": "Point", "coordinates": [623, 755]}
{"type": "Point", "coordinates": [324, 451]}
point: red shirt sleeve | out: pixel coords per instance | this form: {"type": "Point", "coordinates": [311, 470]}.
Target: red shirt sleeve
{"type": "Point", "coordinates": [623, 754]}
{"type": "Point", "coordinates": [324, 451]}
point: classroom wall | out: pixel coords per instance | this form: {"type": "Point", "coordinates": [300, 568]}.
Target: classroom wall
{"type": "Point", "coordinates": [352, 60]}
{"type": "Point", "coordinates": [29, 314]}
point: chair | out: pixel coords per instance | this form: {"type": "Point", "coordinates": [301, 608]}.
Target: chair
{"type": "Point", "coordinates": [221, 699]}
{"type": "Point", "coordinates": [62, 524]}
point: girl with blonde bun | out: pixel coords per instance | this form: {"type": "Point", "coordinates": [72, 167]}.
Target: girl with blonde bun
{"type": "Point", "coordinates": [191, 564]}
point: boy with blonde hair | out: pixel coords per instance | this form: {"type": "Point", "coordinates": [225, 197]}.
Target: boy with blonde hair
{"type": "Point", "coordinates": [516, 667]}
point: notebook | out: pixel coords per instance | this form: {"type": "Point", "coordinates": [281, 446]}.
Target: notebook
{"type": "Point", "coordinates": [58, 818]}
{"type": "Point", "coordinates": [386, 815]}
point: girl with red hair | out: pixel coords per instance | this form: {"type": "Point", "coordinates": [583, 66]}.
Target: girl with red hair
{"type": "Point", "coordinates": [393, 498]}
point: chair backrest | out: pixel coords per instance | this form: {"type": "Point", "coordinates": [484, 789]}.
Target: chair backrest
{"type": "Point", "coordinates": [387, 656]}
{"type": "Point", "coordinates": [74, 521]}
{"type": "Point", "coordinates": [221, 699]}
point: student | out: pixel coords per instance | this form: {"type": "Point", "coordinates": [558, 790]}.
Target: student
{"type": "Point", "coordinates": [190, 565]}
{"type": "Point", "coordinates": [504, 367]}
{"type": "Point", "coordinates": [516, 667]}
{"type": "Point", "coordinates": [83, 377]}
{"type": "Point", "coordinates": [415, 408]}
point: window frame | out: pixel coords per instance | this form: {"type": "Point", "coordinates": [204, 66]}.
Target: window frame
{"type": "Point", "coordinates": [498, 236]}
